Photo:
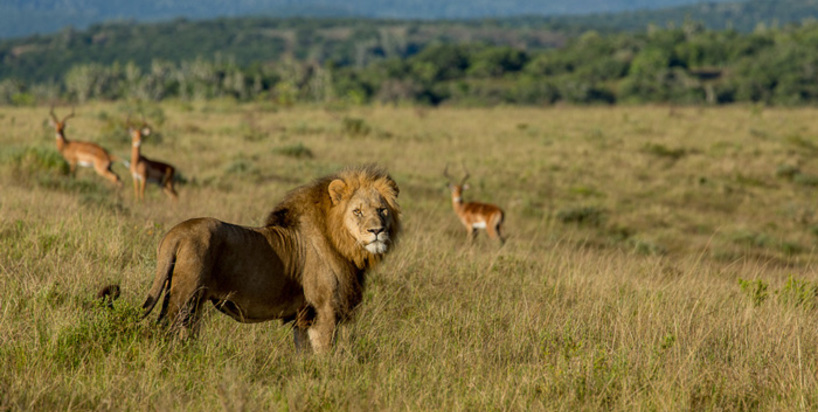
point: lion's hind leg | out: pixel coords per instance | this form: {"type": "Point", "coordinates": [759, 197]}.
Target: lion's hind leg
{"type": "Point", "coordinates": [165, 266]}
{"type": "Point", "coordinates": [185, 310]}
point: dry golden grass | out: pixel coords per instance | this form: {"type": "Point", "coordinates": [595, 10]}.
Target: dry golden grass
{"type": "Point", "coordinates": [658, 260]}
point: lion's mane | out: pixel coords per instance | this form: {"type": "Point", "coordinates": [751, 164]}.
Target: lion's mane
{"type": "Point", "coordinates": [310, 205]}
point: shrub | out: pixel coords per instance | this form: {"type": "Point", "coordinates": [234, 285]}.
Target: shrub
{"type": "Point", "coordinates": [36, 161]}
{"type": "Point", "coordinates": [97, 334]}
{"type": "Point", "coordinates": [805, 180]}
{"type": "Point", "coordinates": [588, 215]}
{"type": "Point", "coordinates": [787, 171]}
{"type": "Point", "coordinates": [798, 293]}
{"type": "Point", "coordinates": [661, 150]}
{"type": "Point", "coordinates": [756, 290]}
{"type": "Point", "coordinates": [297, 151]}
{"type": "Point", "coordinates": [355, 127]}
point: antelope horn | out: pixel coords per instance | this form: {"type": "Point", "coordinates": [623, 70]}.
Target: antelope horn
{"type": "Point", "coordinates": [53, 116]}
{"type": "Point", "coordinates": [69, 116]}
{"type": "Point", "coordinates": [446, 173]}
{"type": "Point", "coordinates": [467, 174]}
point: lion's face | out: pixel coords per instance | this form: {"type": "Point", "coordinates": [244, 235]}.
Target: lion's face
{"type": "Point", "coordinates": [369, 220]}
{"type": "Point", "coordinates": [365, 214]}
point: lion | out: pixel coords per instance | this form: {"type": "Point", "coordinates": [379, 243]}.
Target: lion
{"type": "Point", "coordinates": [306, 265]}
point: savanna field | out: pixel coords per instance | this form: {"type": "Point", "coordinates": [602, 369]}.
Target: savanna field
{"type": "Point", "coordinates": [657, 259]}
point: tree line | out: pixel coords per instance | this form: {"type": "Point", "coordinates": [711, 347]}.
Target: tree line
{"type": "Point", "coordinates": [688, 64]}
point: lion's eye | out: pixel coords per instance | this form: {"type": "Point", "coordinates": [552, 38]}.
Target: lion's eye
{"type": "Point", "coordinates": [357, 212]}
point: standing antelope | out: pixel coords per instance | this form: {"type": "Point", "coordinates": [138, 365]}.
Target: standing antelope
{"type": "Point", "coordinates": [475, 215]}
{"type": "Point", "coordinates": [85, 154]}
{"type": "Point", "coordinates": [145, 170]}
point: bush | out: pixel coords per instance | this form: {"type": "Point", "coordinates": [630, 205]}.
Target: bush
{"type": "Point", "coordinates": [798, 293]}
{"type": "Point", "coordinates": [589, 215]}
{"type": "Point", "coordinates": [297, 151]}
{"type": "Point", "coordinates": [355, 127]}
{"type": "Point", "coordinates": [36, 161]}
{"type": "Point", "coordinates": [661, 150]}
{"type": "Point", "coordinates": [756, 290]}
{"type": "Point", "coordinates": [787, 171]}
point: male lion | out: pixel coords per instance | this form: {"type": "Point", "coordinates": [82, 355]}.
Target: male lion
{"type": "Point", "coordinates": [306, 264]}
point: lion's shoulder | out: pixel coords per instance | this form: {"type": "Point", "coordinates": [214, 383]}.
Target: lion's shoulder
{"type": "Point", "coordinates": [282, 216]}
{"type": "Point", "coordinates": [300, 204]}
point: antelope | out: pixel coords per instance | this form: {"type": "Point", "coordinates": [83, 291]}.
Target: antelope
{"type": "Point", "coordinates": [85, 154]}
{"type": "Point", "coordinates": [475, 215]}
{"type": "Point", "coordinates": [145, 170]}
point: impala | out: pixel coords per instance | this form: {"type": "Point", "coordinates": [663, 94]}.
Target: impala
{"type": "Point", "coordinates": [85, 154]}
{"type": "Point", "coordinates": [145, 170]}
{"type": "Point", "coordinates": [475, 215]}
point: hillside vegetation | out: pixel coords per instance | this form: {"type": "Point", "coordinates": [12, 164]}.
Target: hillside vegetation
{"type": "Point", "coordinates": [658, 258]}
{"type": "Point", "coordinates": [743, 16]}
{"type": "Point", "coordinates": [285, 62]}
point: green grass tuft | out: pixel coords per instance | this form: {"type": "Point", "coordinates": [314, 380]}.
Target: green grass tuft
{"type": "Point", "coordinates": [297, 151]}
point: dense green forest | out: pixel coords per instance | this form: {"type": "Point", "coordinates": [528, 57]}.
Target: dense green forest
{"type": "Point", "coordinates": [247, 41]}
{"type": "Point", "coordinates": [288, 61]}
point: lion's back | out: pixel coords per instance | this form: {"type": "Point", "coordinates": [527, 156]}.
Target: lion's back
{"type": "Point", "coordinates": [199, 238]}
{"type": "Point", "coordinates": [198, 229]}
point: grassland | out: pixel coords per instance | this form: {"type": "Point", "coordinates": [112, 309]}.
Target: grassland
{"type": "Point", "coordinates": [658, 259]}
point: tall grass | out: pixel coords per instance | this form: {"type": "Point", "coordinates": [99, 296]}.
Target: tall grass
{"type": "Point", "coordinates": [633, 279]}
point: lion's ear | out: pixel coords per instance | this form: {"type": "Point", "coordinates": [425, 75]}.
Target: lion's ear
{"type": "Point", "coordinates": [337, 191]}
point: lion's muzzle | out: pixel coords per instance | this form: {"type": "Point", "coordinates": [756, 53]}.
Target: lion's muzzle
{"type": "Point", "coordinates": [379, 242]}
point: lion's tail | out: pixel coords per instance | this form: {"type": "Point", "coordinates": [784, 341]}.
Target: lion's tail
{"type": "Point", "coordinates": [164, 271]}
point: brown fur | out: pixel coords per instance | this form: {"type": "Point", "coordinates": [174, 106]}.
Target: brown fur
{"type": "Point", "coordinates": [83, 153]}
{"type": "Point", "coordinates": [473, 213]}
{"type": "Point", "coordinates": [307, 264]}
{"type": "Point", "coordinates": [144, 170]}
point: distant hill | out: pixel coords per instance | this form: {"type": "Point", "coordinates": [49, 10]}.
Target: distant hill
{"type": "Point", "coordinates": [359, 61]}
{"type": "Point", "coordinates": [741, 16]}
{"type": "Point", "coordinates": [248, 40]}
{"type": "Point", "coordinates": [26, 17]}
{"type": "Point", "coordinates": [345, 41]}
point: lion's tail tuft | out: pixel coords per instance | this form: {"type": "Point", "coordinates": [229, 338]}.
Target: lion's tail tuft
{"type": "Point", "coordinates": [108, 295]}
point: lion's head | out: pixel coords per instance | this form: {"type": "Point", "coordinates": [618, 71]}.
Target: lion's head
{"type": "Point", "coordinates": [364, 216]}
{"type": "Point", "coordinates": [356, 209]}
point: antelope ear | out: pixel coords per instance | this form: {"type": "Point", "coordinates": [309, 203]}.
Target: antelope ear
{"type": "Point", "coordinates": [337, 191]}
{"type": "Point", "coordinates": [146, 131]}
{"type": "Point", "coordinates": [465, 186]}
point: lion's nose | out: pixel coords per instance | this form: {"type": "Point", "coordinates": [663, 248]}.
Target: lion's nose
{"type": "Point", "coordinates": [376, 231]}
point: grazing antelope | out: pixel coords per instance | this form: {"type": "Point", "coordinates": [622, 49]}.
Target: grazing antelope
{"type": "Point", "coordinates": [85, 154]}
{"type": "Point", "coordinates": [145, 170]}
{"type": "Point", "coordinates": [475, 215]}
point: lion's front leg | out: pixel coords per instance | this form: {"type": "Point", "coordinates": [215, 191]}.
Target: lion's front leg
{"type": "Point", "coordinates": [322, 331]}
